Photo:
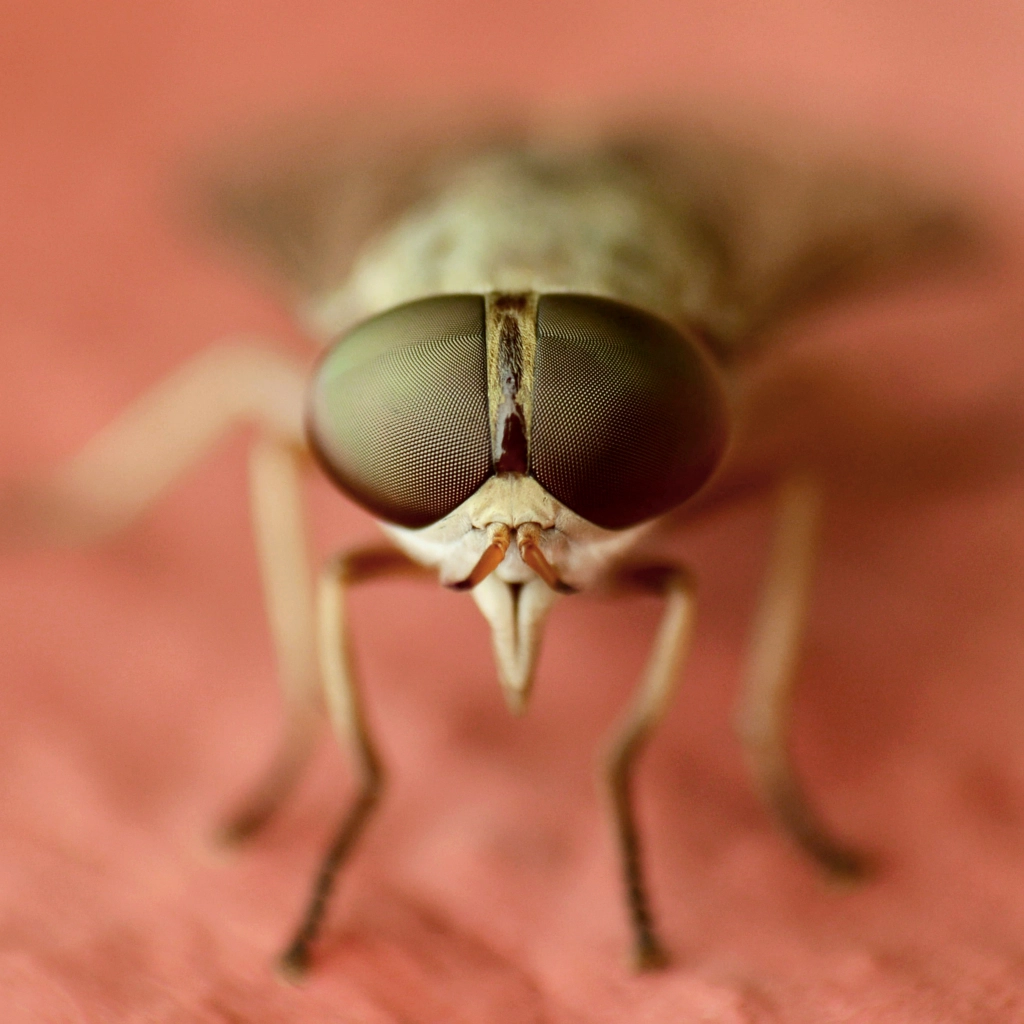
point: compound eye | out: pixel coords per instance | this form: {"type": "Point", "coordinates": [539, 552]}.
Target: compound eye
{"type": "Point", "coordinates": [397, 410]}
{"type": "Point", "coordinates": [629, 419]}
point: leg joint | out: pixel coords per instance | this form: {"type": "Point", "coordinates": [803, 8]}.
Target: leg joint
{"type": "Point", "coordinates": [657, 577]}
{"type": "Point", "coordinates": [366, 563]}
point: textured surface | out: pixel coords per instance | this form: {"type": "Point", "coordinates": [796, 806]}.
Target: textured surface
{"type": "Point", "coordinates": [138, 691]}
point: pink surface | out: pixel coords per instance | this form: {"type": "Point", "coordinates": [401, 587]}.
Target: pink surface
{"type": "Point", "coordinates": [138, 694]}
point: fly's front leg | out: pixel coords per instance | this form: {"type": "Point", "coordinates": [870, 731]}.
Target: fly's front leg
{"type": "Point", "coordinates": [766, 702]}
{"type": "Point", "coordinates": [659, 684]}
{"type": "Point", "coordinates": [279, 528]}
{"type": "Point", "coordinates": [130, 463]}
{"type": "Point", "coordinates": [348, 721]}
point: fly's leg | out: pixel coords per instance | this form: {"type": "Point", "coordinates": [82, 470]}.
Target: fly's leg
{"type": "Point", "coordinates": [765, 707]}
{"type": "Point", "coordinates": [279, 530]}
{"type": "Point", "coordinates": [658, 686]}
{"type": "Point", "coordinates": [348, 722]}
{"type": "Point", "coordinates": [128, 465]}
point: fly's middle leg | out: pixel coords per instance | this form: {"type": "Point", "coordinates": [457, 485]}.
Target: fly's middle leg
{"type": "Point", "coordinates": [764, 714]}
{"type": "Point", "coordinates": [131, 463]}
{"type": "Point", "coordinates": [279, 529]}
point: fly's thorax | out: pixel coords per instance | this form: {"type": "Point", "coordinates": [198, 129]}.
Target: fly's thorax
{"type": "Point", "coordinates": [533, 220]}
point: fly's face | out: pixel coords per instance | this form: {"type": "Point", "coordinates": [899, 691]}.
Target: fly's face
{"type": "Point", "coordinates": [512, 527]}
{"type": "Point", "coordinates": [517, 443]}
{"type": "Point", "coordinates": [525, 435]}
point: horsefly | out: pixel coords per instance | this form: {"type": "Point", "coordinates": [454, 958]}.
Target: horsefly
{"type": "Point", "coordinates": [534, 350]}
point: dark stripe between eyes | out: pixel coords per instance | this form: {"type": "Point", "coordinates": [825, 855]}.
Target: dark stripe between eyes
{"type": "Point", "coordinates": [510, 447]}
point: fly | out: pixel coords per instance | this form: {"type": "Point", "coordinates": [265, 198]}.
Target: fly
{"type": "Point", "coordinates": [529, 361]}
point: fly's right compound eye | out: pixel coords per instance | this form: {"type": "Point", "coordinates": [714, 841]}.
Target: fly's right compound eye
{"type": "Point", "coordinates": [629, 419]}
{"type": "Point", "coordinates": [398, 413]}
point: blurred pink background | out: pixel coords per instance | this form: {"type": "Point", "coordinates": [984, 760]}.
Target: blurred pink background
{"type": "Point", "coordinates": [138, 695]}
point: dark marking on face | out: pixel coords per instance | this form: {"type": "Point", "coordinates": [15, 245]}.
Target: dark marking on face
{"type": "Point", "coordinates": [510, 442]}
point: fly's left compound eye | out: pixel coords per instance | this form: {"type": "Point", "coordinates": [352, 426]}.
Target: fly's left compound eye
{"type": "Point", "coordinates": [398, 410]}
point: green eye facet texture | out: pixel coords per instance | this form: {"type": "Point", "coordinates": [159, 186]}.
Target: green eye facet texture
{"type": "Point", "coordinates": [628, 419]}
{"type": "Point", "coordinates": [398, 410]}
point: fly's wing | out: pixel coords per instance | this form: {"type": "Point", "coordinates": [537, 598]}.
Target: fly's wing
{"type": "Point", "coordinates": [303, 201]}
{"type": "Point", "coordinates": [791, 225]}
{"type": "Point", "coordinates": [784, 225]}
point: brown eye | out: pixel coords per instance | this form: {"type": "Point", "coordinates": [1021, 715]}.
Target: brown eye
{"type": "Point", "coordinates": [398, 410]}
{"type": "Point", "coordinates": [628, 417]}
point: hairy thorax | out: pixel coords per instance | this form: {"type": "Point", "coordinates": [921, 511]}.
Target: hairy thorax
{"type": "Point", "coordinates": [532, 221]}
